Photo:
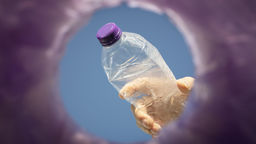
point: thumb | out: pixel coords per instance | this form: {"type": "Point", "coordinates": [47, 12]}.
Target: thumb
{"type": "Point", "coordinates": [185, 84]}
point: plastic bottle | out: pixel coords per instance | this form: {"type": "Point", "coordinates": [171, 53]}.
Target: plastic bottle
{"type": "Point", "coordinates": [128, 56]}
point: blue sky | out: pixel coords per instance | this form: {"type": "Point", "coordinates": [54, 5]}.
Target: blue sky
{"type": "Point", "coordinates": [87, 95]}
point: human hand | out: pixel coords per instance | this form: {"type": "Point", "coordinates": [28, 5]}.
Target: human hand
{"type": "Point", "coordinates": [220, 34]}
{"type": "Point", "coordinates": [151, 113]}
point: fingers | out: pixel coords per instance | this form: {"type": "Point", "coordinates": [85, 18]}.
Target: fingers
{"type": "Point", "coordinates": [127, 91]}
{"type": "Point", "coordinates": [139, 123]}
{"type": "Point", "coordinates": [138, 85]}
{"type": "Point", "coordinates": [185, 84]}
{"type": "Point", "coordinates": [156, 128]}
{"type": "Point", "coordinates": [143, 118]}
{"type": "Point", "coordinates": [145, 122]}
{"type": "Point", "coordinates": [148, 131]}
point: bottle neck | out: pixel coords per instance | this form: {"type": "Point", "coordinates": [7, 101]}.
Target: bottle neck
{"type": "Point", "coordinates": [115, 44]}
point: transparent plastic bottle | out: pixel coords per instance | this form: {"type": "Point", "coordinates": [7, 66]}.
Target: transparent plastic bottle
{"type": "Point", "coordinates": [128, 56]}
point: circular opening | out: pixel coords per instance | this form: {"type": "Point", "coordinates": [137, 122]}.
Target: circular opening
{"type": "Point", "coordinates": [88, 97]}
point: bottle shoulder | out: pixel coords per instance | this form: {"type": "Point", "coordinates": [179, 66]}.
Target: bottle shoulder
{"type": "Point", "coordinates": [133, 40]}
{"type": "Point", "coordinates": [130, 35]}
{"type": "Point", "coordinates": [130, 45]}
{"type": "Point", "coordinates": [128, 40]}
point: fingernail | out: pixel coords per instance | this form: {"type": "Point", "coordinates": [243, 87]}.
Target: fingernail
{"type": "Point", "coordinates": [156, 128]}
{"type": "Point", "coordinates": [146, 123]}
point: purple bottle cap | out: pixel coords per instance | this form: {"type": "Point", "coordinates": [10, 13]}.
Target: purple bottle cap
{"type": "Point", "coordinates": [109, 34]}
